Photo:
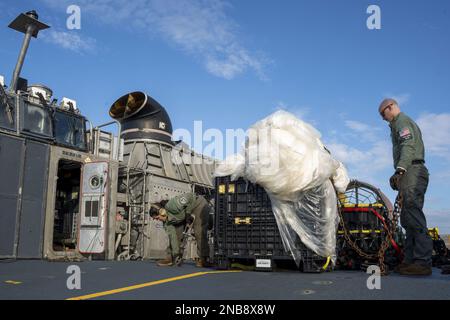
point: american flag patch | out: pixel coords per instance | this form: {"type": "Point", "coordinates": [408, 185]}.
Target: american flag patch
{"type": "Point", "coordinates": [405, 133]}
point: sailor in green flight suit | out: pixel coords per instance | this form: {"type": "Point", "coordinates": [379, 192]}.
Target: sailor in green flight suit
{"type": "Point", "coordinates": [175, 212]}
{"type": "Point", "coordinates": [174, 224]}
{"type": "Point", "coordinates": [411, 180]}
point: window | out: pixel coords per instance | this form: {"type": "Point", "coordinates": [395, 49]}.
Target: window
{"type": "Point", "coordinates": [70, 130]}
{"type": "Point", "coordinates": [91, 209]}
{"type": "Point", "coordinates": [37, 120]}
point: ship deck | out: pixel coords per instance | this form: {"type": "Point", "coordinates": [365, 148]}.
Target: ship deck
{"type": "Point", "coordinates": [37, 279]}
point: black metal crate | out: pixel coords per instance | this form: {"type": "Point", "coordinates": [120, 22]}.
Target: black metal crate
{"type": "Point", "coordinates": [246, 229]}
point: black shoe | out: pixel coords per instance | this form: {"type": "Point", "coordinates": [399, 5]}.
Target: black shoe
{"type": "Point", "coordinates": [401, 266]}
{"type": "Point", "coordinates": [416, 270]}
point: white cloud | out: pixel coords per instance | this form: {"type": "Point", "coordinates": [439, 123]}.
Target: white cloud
{"type": "Point", "coordinates": [363, 164]}
{"type": "Point", "coordinates": [200, 28]}
{"type": "Point", "coordinates": [401, 98]}
{"type": "Point", "coordinates": [70, 40]}
{"type": "Point", "coordinates": [436, 133]}
{"type": "Point", "coordinates": [357, 126]}
{"type": "Point", "coordinates": [363, 131]}
{"type": "Point", "coordinates": [233, 63]}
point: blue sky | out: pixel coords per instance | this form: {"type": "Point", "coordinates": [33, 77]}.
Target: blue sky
{"type": "Point", "coordinates": [232, 63]}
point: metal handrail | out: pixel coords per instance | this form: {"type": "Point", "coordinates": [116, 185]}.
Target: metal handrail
{"type": "Point", "coordinates": [118, 134]}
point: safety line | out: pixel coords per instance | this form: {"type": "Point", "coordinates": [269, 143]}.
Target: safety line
{"type": "Point", "coordinates": [148, 284]}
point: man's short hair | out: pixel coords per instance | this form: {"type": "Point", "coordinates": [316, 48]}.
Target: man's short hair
{"type": "Point", "coordinates": [387, 102]}
{"type": "Point", "coordinates": [153, 212]}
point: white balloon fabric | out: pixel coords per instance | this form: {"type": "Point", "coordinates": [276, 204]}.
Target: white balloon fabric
{"type": "Point", "coordinates": [286, 157]}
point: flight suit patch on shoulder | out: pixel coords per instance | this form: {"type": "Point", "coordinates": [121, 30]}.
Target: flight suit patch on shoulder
{"type": "Point", "coordinates": [183, 200]}
{"type": "Point", "coordinates": [405, 134]}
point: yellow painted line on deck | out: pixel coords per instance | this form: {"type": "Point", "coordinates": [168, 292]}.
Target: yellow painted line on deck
{"type": "Point", "coordinates": [12, 282]}
{"type": "Point", "coordinates": [149, 284]}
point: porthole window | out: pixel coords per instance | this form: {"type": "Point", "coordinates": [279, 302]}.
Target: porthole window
{"type": "Point", "coordinates": [95, 182]}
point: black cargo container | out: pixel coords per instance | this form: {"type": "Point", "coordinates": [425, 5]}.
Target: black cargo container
{"type": "Point", "coordinates": [245, 229]}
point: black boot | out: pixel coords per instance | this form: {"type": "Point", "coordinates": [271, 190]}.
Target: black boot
{"type": "Point", "coordinates": [416, 270]}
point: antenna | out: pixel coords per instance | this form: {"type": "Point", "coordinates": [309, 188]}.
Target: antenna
{"type": "Point", "coordinates": [29, 24]}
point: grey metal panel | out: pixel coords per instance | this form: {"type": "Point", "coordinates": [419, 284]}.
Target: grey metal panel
{"type": "Point", "coordinates": [11, 159]}
{"type": "Point", "coordinates": [154, 160]}
{"type": "Point", "coordinates": [7, 226]}
{"type": "Point", "coordinates": [169, 165]}
{"type": "Point", "coordinates": [33, 206]}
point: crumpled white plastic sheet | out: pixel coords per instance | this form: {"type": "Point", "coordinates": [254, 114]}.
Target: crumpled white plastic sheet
{"type": "Point", "coordinates": [285, 156]}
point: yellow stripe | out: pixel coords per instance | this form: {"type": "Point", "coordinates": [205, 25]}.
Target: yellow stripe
{"type": "Point", "coordinates": [363, 205]}
{"type": "Point", "coordinates": [148, 284]}
{"type": "Point", "coordinates": [325, 266]}
{"type": "Point", "coordinates": [360, 231]}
